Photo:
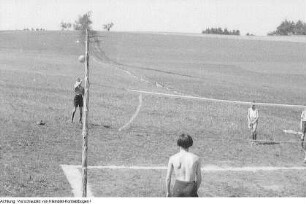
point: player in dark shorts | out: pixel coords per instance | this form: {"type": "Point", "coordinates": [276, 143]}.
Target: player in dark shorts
{"type": "Point", "coordinates": [78, 98]}
{"type": "Point", "coordinates": [185, 189]}
{"type": "Point", "coordinates": [187, 170]}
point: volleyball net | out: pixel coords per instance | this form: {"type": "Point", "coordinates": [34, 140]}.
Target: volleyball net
{"type": "Point", "coordinates": [147, 117]}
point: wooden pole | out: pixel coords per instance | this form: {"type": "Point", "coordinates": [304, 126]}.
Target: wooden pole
{"type": "Point", "coordinates": [85, 119]}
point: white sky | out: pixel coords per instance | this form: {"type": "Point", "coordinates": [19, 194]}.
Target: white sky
{"type": "Point", "coordinates": [188, 16]}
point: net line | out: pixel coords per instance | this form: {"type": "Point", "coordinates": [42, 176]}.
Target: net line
{"type": "Point", "coordinates": [100, 55]}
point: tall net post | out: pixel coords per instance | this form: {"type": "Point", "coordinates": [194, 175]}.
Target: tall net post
{"type": "Point", "coordinates": [85, 119]}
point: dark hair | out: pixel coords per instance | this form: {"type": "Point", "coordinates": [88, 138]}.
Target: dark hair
{"type": "Point", "coordinates": [184, 141]}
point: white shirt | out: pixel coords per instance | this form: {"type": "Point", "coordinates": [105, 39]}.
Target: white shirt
{"type": "Point", "coordinates": [303, 116]}
{"type": "Point", "coordinates": [253, 114]}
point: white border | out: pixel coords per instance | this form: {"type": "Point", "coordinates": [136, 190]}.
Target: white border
{"type": "Point", "coordinates": [134, 115]}
{"type": "Point", "coordinates": [74, 178]}
{"type": "Point", "coordinates": [214, 100]}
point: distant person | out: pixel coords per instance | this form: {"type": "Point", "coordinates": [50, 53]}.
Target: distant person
{"type": "Point", "coordinates": [187, 170]}
{"type": "Point", "coordinates": [303, 124]}
{"type": "Point", "coordinates": [303, 129]}
{"type": "Point", "coordinates": [253, 120]}
{"type": "Point", "coordinates": [78, 98]}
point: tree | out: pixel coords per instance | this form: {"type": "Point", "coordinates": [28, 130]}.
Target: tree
{"type": "Point", "coordinates": [286, 28]}
{"type": "Point", "coordinates": [108, 26]}
{"type": "Point", "coordinates": [290, 28]}
{"type": "Point", "coordinates": [65, 26]}
{"type": "Point", "coordinates": [300, 28]}
{"type": "Point", "coordinates": [220, 31]}
{"type": "Point", "coordinates": [84, 22]}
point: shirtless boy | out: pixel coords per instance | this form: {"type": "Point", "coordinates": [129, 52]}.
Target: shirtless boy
{"type": "Point", "coordinates": [187, 170]}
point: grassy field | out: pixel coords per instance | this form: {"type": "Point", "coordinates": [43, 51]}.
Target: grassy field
{"type": "Point", "coordinates": [38, 70]}
{"type": "Point", "coordinates": [150, 183]}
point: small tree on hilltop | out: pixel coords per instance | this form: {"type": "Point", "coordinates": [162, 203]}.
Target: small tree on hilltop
{"type": "Point", "coordinates": [65, 26]}
{"type": "Point", "coordinates": [108, 26]}
{"type": "Point", "coordinates": [84, 22]}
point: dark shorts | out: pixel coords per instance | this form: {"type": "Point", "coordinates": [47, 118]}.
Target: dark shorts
{"type": "Point", "coordinates": [304, 127]}
{"type": "Point", "coordinates": [185, 189]}
{"type": "Point", "coordinates": [78, 101]}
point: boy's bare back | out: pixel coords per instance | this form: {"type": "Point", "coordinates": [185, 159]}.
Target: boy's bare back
{"type": "Point", "coordinates": [185, 166]}
{"type": "Point", "coordinates": [187, 170]}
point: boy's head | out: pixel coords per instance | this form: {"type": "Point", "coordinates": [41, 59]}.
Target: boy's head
{"type": "Point", "coordinates": [253, 105]}
{"type": "Point", "coordinates": [185, 141]}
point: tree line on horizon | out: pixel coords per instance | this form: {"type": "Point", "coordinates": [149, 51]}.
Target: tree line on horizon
{"type": "Point", "coordinates": [290, 28]}
{"type": "Point", "coordinates": [285, 28]}
{"type": "Point", "coordinates": [221, 31]}
{"type": "Point", "coordinates": [34, 29]}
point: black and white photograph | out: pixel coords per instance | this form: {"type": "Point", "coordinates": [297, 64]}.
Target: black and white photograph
{"type": "Point", "coordinates": [152, 99]}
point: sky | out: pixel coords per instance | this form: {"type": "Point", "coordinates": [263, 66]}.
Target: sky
{"type": "Point", "coordinates": [185, 16]}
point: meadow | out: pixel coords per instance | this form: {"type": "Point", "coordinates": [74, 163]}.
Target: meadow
{"type": "Point", "coordinates": [38, 70]}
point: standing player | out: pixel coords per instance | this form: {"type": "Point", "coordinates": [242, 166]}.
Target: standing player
{"type": "Point", "coordinates": [303, 129]}
{"type": "Point", "coordinates": [253, 120]}
{"type": "Point", "coordinates": [303, 124]}
{"type": "Point", "coordinates": [187, 170]}
{"type": "Point", "coordinates": [78, 98]}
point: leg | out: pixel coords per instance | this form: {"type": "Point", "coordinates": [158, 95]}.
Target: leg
{"type": "Point", "coordinates": [255, 134]}
{"type": "Point", "coordinates": [75, 105]}
{"type": "Point", "coordinates": [81, 113]}
{"type": "Point", "coordinates": [304, 150]}
{"type": "Point", "coordinates": [303, 136]}
{"type": "Point", "coordinates": [303, 127]}
{"type": "Point", "coordinates": [302, 140]}
{"type": "Point", "coordinates": [255, 130]}
{"type": "Point", "coordinates": [73, 112]}
{"type": "Point", "coordinates": [303, 130]}
{"type": "Point", "coordinates": [251, 128]}
{"type": "Point", "coordinates": [252, 133]}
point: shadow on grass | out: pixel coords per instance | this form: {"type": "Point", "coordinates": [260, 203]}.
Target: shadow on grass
{"type": "Point", "coordinates": [107, 126]}
{"type": "Point", "coordinates": [94, 125]}
{"type": "Point", "coordinates": [266, 143]}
